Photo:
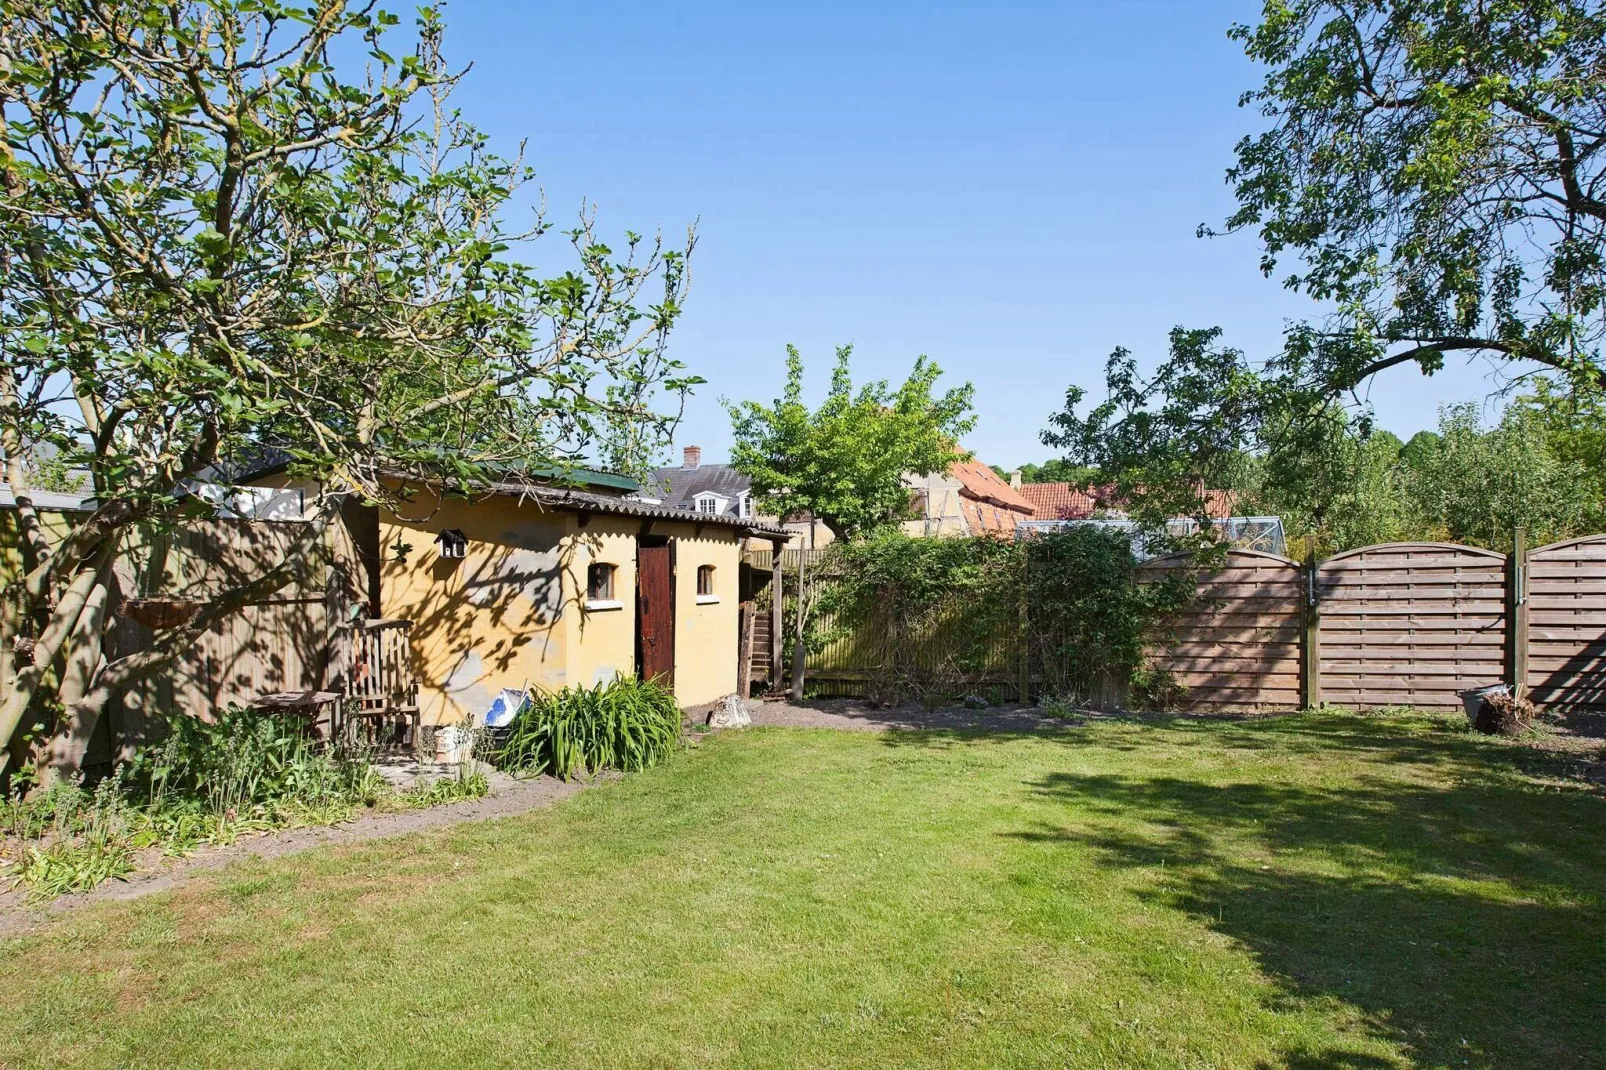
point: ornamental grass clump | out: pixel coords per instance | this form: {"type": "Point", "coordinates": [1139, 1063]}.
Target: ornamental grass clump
{"type": "Point", "coordinates": [626, 725]}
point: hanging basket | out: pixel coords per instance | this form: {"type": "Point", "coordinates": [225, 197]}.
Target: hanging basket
{"type": "Point", "coordinates": [159, 614]}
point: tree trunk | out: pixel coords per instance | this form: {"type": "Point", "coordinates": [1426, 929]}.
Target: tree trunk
{"type": "Point", "coordinates": [64, 757]}
{"type": "Point", "coordinates": [799, 645]}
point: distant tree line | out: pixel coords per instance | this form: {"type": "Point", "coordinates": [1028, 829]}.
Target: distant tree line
{"type": "Point", "coordinates": [1540, 465]}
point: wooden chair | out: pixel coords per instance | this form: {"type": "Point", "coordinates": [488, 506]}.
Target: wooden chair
{"type": "Point", "coordinates": [375, 675]}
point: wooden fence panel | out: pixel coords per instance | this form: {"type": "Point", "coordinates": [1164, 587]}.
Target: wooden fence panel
{"type": "Point", "coordinates": [1238, 646]}
{"type": "Point", "coordinates": [1399, 624]}
{"type": "Point", "coordinates": [1411, 624]}
{"type": "Point", "coordinates": [281, 643]}
{"type": "Point", "coordinates": [1566, 601]}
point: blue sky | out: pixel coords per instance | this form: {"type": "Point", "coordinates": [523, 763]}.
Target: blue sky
{"type": "Point", "coordinates": [1012, 189]}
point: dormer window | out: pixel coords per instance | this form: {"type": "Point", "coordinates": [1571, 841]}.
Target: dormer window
{"type": "Point", "coordinates": [744, 504]}
{"type": "Point", "coordinates": [709, 503]}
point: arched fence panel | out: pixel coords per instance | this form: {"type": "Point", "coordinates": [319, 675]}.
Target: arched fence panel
{"type": "Point", "coordinates": [1566, 607]}
{"type": "Point", "coordinates": [1410, 624]}
{"type": "Point", "coordinates": [1238, 645]}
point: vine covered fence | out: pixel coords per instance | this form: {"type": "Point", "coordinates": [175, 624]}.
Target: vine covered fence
{"type": "Point", "coordinates": [1396, 624]}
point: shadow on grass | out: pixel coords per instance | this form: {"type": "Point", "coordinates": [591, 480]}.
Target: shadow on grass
{"type": "Point", "coordinates": [1463, 919]}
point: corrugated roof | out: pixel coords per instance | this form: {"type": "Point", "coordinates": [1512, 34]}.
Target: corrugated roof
{"type": "Point", "coordinates": [53, 501]}
{"type": "Point", "coordinates": [581, 501]}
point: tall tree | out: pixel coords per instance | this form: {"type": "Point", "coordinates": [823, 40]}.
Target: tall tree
{"type": "Point", "coordinates": [844, 462]}
{"type": "Point", "coordinates": [1432, 172]}
{"type": "Point", "coordinates": [235, 225]}
{"type": "Point", "coordinates": [1160, 444]}
{"type": "Point", "coordinates": [1433, 169]}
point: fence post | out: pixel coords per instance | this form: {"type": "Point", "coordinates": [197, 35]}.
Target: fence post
{"type": "Point", "coordinates": [744, 651]}
{"type": "Point", "coordinates": [1310, 675]}
{"type": "Point", "coordinates": [777, 611]}
{"type": "Point", "coordinates": [1517, 612]}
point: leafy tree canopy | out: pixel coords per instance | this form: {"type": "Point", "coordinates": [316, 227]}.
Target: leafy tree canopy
{"type": "Point", "coordinates": [235, 225]}
{"type": "Point", "coordinates": [1432, 173]}
{"type": "Point", "coordinates": [1050, 471]}
{"type": "Point", "coordinates": [1433, 170]}
{"type": "Point", "coordinates": [844, 462]}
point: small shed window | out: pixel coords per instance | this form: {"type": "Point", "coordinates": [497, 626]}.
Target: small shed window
{"type": "Point", "coordinates": [599, 583]}
{"type": "Point", "coordinates": [705, 579]}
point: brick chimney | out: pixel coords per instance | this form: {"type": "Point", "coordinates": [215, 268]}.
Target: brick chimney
{"type": "Point", "coordinates": [1014, 479]}
{"type": "Point", "coordinates": [692, 456]}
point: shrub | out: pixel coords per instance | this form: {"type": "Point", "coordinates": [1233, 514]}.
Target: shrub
{"type": "Point", "coordinates": [247, 765]}
{"type": "Point", "coordinates": [626, 725]}
{"type": "Point", "coordinates": [1093, 618]}
{"type": "Point", "coordinates": [202, 783]}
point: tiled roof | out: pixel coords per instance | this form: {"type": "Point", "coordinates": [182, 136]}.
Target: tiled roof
{"type": "Point", "coordinates": [1062, 501]}
{"type": "Point", "coordinates": [981, 483]}
{"type": "Point", "coordinates": [1220, 504]}
{"type": "Point", "coordinates": [989, 505]}
{"type": "Point", "coordinates": [1058, 501]}
{"type": "Point", "coordinates": [985, 518]}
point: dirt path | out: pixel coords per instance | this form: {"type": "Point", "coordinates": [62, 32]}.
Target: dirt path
{"type": "Point", "coordinates": [858, 716]}
{"type": "Point", "coordinates": [156, 874]}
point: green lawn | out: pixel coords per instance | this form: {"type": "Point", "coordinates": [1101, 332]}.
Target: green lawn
{"type": "Point", "coordinates": [1316, 891]}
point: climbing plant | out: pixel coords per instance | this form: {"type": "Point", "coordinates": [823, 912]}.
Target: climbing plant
{"type": "Point", "coordinates": [1068, 613]}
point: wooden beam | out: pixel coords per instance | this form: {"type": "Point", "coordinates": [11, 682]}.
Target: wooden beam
{"type": "Point", "coordinates": [744, 651]}
{"type": "Point", "coordinates": [1310, 676]}
{"type": "Point", "coordinates": [1517, 614]}
{"type": "Point", "coordinates": [776, 617]}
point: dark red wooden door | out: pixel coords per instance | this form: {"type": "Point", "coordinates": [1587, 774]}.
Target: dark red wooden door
{"type": "Point", "coordinates": [655, 615]}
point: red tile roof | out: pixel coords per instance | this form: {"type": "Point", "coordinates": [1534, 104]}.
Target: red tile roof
{"type": "Point", "coordinates": [979, 482]}
{"type": "Point", "coordinates": [1062, 501]}
{"type": "Point", "coordinates": [989, 505]}
{"type": "Point", "coordinates": [1058, 501]}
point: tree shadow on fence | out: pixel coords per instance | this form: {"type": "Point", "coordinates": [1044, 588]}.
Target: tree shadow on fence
{"type": "Point", "coordinates": [1464, 920]}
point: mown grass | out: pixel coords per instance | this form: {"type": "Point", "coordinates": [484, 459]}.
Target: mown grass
{"type": "Point", "coordinates": [1317, 891]}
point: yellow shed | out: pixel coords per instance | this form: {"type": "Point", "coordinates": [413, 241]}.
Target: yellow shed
{"type": "Point", "coordinates": [530, 585]}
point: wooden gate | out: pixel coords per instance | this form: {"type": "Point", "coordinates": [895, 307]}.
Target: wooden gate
{"type": "Point", "coordinates": [1410, 624]}
{"type": "Point", "coordinates": [1566, 607]}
